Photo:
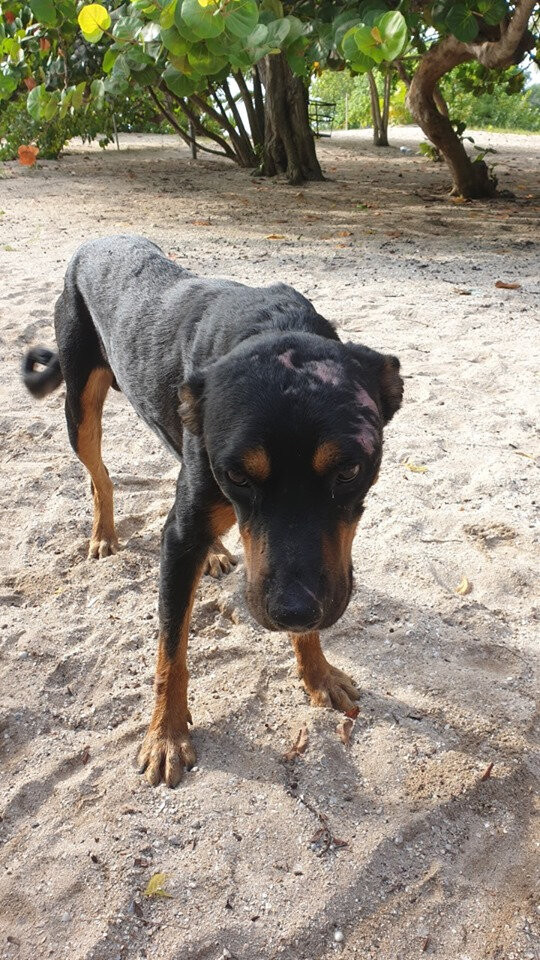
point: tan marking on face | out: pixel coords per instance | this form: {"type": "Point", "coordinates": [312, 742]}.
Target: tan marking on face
{"type": "Point", "coordinates": [256, 463]}
{"type": "Point", "coordinates": [327, 454]}
{"type": "Point", "coordinates": [255, 556]}
{"type": "Point", "coordinates": [337, 551]}
{"type": "Point", "coordinates": [222, 518]}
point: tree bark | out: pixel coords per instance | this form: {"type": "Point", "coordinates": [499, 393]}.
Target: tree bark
{"type": "Point", "coordinates": [471, 180]}
{"type": "Point", "coordinates": [289, 144]}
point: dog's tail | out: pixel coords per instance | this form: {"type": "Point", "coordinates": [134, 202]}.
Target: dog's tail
{"type": "Point", "coordinates": [41, 382]}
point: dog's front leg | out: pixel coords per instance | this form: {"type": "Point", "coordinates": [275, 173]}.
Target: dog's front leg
{"type": "Point", "coordinates": [326, 685]}
{"type": "Point", "coordinates": [167, 747]}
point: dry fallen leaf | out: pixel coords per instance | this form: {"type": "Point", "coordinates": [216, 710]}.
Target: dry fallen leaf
{"type": "Point", "coordinates": [344, 730]}
{"type": "Point", "coordinates": [156, 886]}
{"type": "Point", "coordinates": [299, 744]}
{"type": "Point", "coordinates": [463, 293]}
{"type": "Point", "coordinates": [463, 587]}
{"type": "Point", "coordinates": [343, 233]}
{"type": "Point", "coordinates": [521, 453]}
{"type": "Point", "coordinates": [85, 755]}
{"type": "Point", "coordinates": [28, 155]}
{"type": "Point", "coordinates": [275, 236]}
{"type": "Point", "coordinates": [502, 285]}
{"type": "Point", "coordinates": [200, 223]}
{"type": "Point", "coordinates": [487, 772]}
{"type": "Point", "coordinates": [414, 467]}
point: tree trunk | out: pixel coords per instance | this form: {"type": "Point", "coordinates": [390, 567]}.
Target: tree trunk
{"type": "Point", "coordinates": [379, 120]}
{"type": "Point", "coordinates": [289, 144]}
{"type": "Point", "coordinates": [471, 180]}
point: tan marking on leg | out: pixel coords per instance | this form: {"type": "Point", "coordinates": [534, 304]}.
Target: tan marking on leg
{"type": "Point", "coordinates": [257, 464]}
{"type": "Point", "coordinates": [326, 685]}
{"type": "Point", "coordinates": [103, 541]}
{"type": "Point", "coordinates": [325, 456]}
{"type": "Point", "coordinates": [167, 747]}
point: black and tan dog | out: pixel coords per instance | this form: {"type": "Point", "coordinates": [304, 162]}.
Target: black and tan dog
{"type": "Point", "coordinates": [279, 428]}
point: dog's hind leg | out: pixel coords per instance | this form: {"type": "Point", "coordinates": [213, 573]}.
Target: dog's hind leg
{"type": "Point", "coordinates": [87, 376]}
{"type": "Point", "coordinates": [85, 435]}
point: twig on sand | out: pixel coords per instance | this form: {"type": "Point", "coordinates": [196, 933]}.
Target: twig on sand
{"type": "Point", "coordinates": [323, 838]}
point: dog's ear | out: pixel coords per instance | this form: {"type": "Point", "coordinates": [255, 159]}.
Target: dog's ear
{"type": "Point", "coordinates": [382, 370]}
{"type": "Point", "coordinates": [191, 395]}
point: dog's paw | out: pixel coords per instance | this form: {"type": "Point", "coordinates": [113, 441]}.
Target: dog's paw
{"type": "Point", "coordinates": [102, 546]}
{"type": "Point", "coordinates": [163, 756]}
{"type": "Point", "coordinates": [219, 561]}
{"type": "Point", "coordinates": [333, 689]}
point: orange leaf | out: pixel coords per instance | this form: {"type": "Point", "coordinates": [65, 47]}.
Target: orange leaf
{"type": "Point", "coordinates": [299, 744]}
{"type": "Point", "coordinates": [28, 155]}
{"type": "Point", "coordinates": [44, 44]}
{"type": "Point", "coordinates": [9, 17]}
{"type": "Point", "coordinates": [30, 83]}
{"type": "Point", "coordinates": [344, 730]}
{"type": "Point", "coordinates": [502, 285]}
{"type": "Point", "coordinates": [200, 223]}
{"type": "Point", "coordinates": [376, 34]}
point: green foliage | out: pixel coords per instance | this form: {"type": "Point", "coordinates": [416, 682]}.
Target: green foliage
{"type": "Point", "coordinates": [487, 98]}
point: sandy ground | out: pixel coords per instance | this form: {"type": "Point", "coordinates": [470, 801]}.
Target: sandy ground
{"type": "Point", "coordinates": [439, 860]}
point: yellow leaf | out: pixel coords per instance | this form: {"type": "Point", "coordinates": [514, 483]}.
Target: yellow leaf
{"type": "Point", "coordinates": [414, 467]}
{"type": "Point", "coordinates": [93, 17]}
{"type": "Point", "coordinates": [376, 34]}
{"type": "Point", "coordinates": [464, 587]}
{"type": "Point", "coordinates": [156, 886]}
{"type": "Point", "coordinates": [206, 3]}
{"type": "Point", "coordinates": [275, 236]}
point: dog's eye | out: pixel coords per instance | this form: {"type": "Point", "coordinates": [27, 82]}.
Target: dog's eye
{"type": "Point", "coordinates": [239, 479]}
{"type": "Point", "coordinates": [348, 475]}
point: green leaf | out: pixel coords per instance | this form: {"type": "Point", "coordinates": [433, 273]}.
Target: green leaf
{"type": "Point", "coordinates": [44, 11]}
{"type": "Point", "coordinates": [78, 95]}
{"type": "Point", "coordinates": [65, 101]}
{"type": "Point", "coordinates": [136, 58]}
{"type": "Point", "coordinates": [173, 42]}
{"type": "Point", "coordinates": [493, 11]}
{"type": "Point", "coordinates": [52, 106]}
{"type": "Point", "coordinates": [108, 60]}
{"type": "Point", "coordinates": [127, 29]}
{"type": "Point", "coordinates": [203, 62]}
{"type": "Point", "coordinates": [66, 8]}
{"type": "Point", "coordinates": [121, 69]}
{"type": "Point", "coordinates": [178, 83]}
{"type": "Point", "coordinates": [275, 7]}
{"type": "Point", "coordinates": [166, 17]}
{"type": "Point", "coordinates": [297, 29]}
{"type": "Point", "coordinates": [241, 17]}
{"type": "Point", "coordinates": [36, 100]}
{"type": "Point", "coordinates": [97, 89]}
{"type": "Point", "coordinates": [367, 43]}
{"type": "Point", "coordinates": [393, 29]}
{"type": "Point", "coordinates": [150, 32]}
{"type": "Point", "coordinates": [204, 22]}
{"type": "Point", "coordinates": [7, 85]}
{"type": "Point", "coordinates": [371, 10]}
{"type": "Point", "coordinates": [258, 37]}
{"type": "Point", "coordinates": [462, 23]}
{"type": "Point", "coordinates": [278, 30]}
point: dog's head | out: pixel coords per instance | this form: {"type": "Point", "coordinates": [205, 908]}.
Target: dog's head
{"type": "Point", "coordinates": [292, 427]}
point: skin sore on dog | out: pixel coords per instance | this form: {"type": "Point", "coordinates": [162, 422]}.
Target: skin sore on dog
{"type": "Point", "coordinates": [326, 371]}
{"type": "Point", "coordinates": [325, 456]}
{"type": "Point", "coordinates": [256, 463]}
{"type": "Point", "coordinates": [367, 431]}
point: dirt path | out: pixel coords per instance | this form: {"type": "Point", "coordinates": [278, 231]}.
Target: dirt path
{"type": "Point", "coordinates": [439, 861]}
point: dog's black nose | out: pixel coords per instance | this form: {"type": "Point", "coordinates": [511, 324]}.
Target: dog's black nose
{"type": "Point", "coordinates": [294, 608]}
